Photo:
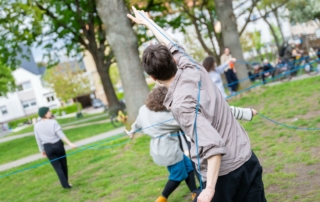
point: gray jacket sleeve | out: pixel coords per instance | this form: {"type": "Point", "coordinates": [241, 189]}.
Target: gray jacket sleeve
{"type": "Point", "coordinates": [241, 113]}
{"type": "Point", "coordinates": [39, 142]}
{"type": "Point", "coordinates": [136, 126]}
{"type": "Point", "coordinates": [58, 130]}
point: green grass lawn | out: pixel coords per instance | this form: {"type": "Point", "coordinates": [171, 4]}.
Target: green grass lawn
{"type": "Point", "coordinates": [22, 147]}
{"type": "Point", "coordinates": [290, 158]}
{"type": "Point", "coordinates": [70, 120]}
{"type": "Point", "coordinates": [65, 121]}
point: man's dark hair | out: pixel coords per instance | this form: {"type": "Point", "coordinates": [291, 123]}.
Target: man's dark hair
{"type": "Point", "coordinates": [156, 98]}
{"type": "Point", "coordinates": [158, 62]}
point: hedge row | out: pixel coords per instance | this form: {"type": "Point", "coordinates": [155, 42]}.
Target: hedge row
{"type": "Point", "coordinates": [68, 109]}
{"type": "Point", "coordinates": [58, 112]}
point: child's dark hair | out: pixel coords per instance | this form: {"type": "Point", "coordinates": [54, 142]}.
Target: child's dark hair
{"type": "Point", "coordinates": [208, 63]}
{"type": "Point", "coordinates": [158, 62]}
{"type": "Point", "coordinates": [156, 98]}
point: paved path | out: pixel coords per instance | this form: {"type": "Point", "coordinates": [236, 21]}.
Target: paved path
{"type": "Point", "coordinates": [79, 143]}
{"type": "Point", "coordinates": [64, 127]}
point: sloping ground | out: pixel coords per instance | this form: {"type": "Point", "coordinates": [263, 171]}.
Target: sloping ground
{"type": "Point", "coordinates": [291, 158]}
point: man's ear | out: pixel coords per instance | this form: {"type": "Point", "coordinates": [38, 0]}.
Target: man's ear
{"type": "Point", "coordinates": [153, 78]}
{"type": "Point", "coordinates": [174, 60]}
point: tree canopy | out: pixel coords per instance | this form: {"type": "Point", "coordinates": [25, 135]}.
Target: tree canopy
{"type": "Point", "coordinates": [7, 83]}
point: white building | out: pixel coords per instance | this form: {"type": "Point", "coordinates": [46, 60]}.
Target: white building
{"type": "Point", "coordinates": [30, 94]}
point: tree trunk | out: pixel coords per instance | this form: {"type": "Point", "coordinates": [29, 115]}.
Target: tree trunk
{"type": "Point", "coordinates": [103, 71]}
{"type": "Point", "coordinates": [231, 37]}
{"type": "Point", "coordinates": [272, 31]}
{"type": "Point", "coordinates": [124, 44]}
{"type": "Point", "coordinates": [273, 34]}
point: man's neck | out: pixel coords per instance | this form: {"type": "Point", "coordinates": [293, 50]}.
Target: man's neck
{"type": "Point", "coordinates": [167, 83]}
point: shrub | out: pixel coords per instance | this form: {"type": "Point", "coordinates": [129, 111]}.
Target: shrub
{"type": "Point", "coordinates": [67, 109]}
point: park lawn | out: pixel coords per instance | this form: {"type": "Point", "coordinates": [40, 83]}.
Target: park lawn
{"type": "Point", "coordinates": [22, 147]}
{"type": "Point", "coordinates": [290, 158]}
{"type": "Point", "coordinates": [71, 120]}
{"type": "Point", "coordinates": [65, 121]}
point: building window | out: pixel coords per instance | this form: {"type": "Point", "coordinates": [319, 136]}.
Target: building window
{"type": "Point", "coordinates": [50, 98]}
{"type": "Point", "coordinates": [3, 110]}
{"type": "Point", "coordinates": [24, 86]}
{"type": "Point", "coordinates": [29, 104]}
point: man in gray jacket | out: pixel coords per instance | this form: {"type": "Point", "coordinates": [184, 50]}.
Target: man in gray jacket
{"type": "Point", "coordinates": [220, 147]}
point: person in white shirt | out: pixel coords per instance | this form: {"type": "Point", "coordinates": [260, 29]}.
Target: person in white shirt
{"type": "Point", "coordinates": [215, 72]}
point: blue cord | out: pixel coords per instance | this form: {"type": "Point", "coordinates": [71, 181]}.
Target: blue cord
{"type": "Point", "coordinates": [47, 162]}
{"type": "Point", "coordinates": [287, 126]}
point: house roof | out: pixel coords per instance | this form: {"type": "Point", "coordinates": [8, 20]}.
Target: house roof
{"type": "Point", "coordinates": [28, 62]}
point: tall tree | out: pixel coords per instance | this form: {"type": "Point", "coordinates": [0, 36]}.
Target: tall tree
{"type": "Point", "coordinates": [124, 44]}
{"type": "Point", "coordinates": [304, 10]}
{"type": "Point", "coordinates": [73, 23]}
{"type": "Point", "coordinates": [271, 6]}
{"type": "Point", "coordinates": [7, 83]}
{"type": "Point", "coordinates": [252, 41]}
{"type": "Point", "coordinates": [231, 38]}
{"type": "Point", "coordinates": [67, 83]}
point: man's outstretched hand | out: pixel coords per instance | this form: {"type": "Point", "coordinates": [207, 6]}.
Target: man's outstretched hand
{"type": "Point", "coordinates": [140, 16]}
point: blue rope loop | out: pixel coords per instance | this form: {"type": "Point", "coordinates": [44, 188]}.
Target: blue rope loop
{"type": "Point", "coordinates": [70, 154]}
{"type": "Point", "coordinates": [287, 126]}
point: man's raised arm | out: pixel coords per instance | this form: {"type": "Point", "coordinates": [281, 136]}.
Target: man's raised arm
{"type": "Point", "coordinates": [142, 18]}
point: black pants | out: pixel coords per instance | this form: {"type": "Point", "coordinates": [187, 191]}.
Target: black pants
{"type": "Point", "coordinates": [54, 151]}
{"type": "Point", "coordinates": [271, 71]}
{"type": "Point", "coordinates": [241, 185]}
{"type": "Point", "coordinates": [232, 78]}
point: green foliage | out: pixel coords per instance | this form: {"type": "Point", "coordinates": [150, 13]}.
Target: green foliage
{"type": "Point", "coordinates": [7, 82]}
{"type": "Point", "coordinates": [114, 73]}
{"type": "Point", "coordinates": [304, 10]}
{"type": "Point", "coordinates": [21, 121]}
{"type": "Point", "coordinates": [45, 22]}
{"type": "Point", "coordinates": [13, 30]}
{"type": "Point", "coordinates": [66, 82]}
{"type": "Point", "coordinates": [67, 109]}
{"type": "Point", "coordinates": [251, 40]}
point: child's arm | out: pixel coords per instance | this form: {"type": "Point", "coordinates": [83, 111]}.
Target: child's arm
{"type": "Point", "coordinates": [135, 127]}
{"type": "Point", "coordinates": [142, 18]}
{"type": "Point", "coordinates": [243, 113]}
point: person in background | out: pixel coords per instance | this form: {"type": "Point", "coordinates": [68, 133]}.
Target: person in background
{"type": "Point", "coordinates": [48, 134]}
{"type": "Point", "coordinates": [267, 69]}
{"type": "Point", "coordinates": [230, 72]}
{"type": "Point", "coordinates": [317, 50]}
{"type": "Point", "coordinates": [215, 72]}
